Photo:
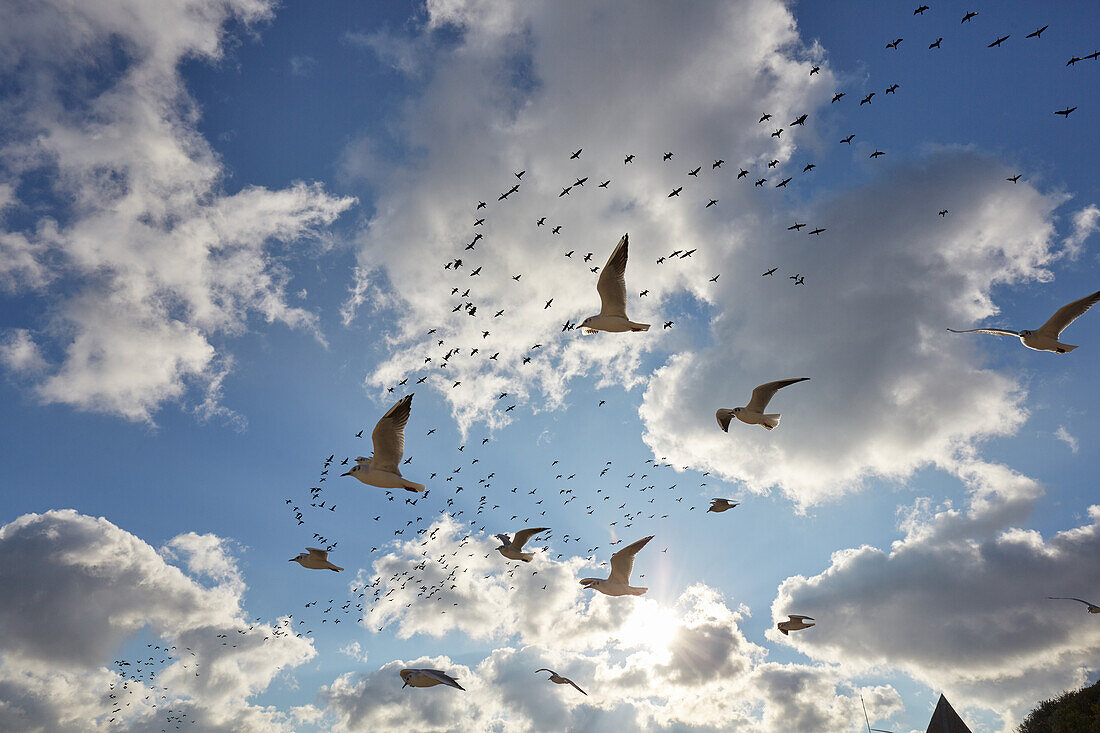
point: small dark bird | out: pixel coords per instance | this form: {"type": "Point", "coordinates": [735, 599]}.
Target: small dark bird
{"type": "Point", "coordinates": [548, 304]}
{"type": "Point", "coordinates": [968, 16]}
{"type": "Point", "coordinates": [580, 181]}
{"type": "Point", "coordinates": [565, 191]}
{"type": "Point", "coordinates": [604, 184]}
{"type": "Point", "coordinates": [481, 204]}
{"type": "Point", "coordinates": [742, 173]}
{"type": "Point", "coordinates": [1037, 33]}
{"type": "Point", "coordinates": [876, 154]}
{"type": "Point", "coordinates": [773, 163]}
{"type": "Point", "coordinates": [717, 164]}
{"type": "Point", "coordinates": [892, 88]}
{"type": "Point", "coordinates": [770, 272]}
{"type": "Point", "coordinates": [783, 183]}
{"type": "Point", "coordinates": [1014, 178]}
{"type": "Point", "coordinates": [920, 10]}
{"type": "Point", "coordinates": [894, 44]}
{"type": "Point", "coordinates": [809, 167]}
{"type": "Point", "coordinates": [676, 191]}
{"type": "Point", "coordinates": [848, 139]}
{"type": "Point", "coordinates": [764, 117]}
{"type": "Point", "coordinates": [814, 70]}
{"type": "Point", "coordinates": [837, 97]}
{"type": "Point", "coordinates": [715, 278]}
{"type": "Point", "coordinates": [711, 203]}
{"type": "Point", "coordinates": [695, 172]}
{"type": "Point", "coordinates": [628, 159]}
{"type": "Point", "coordinates": [359, 434]}
{"type": "Point", "coordinates": [1065, 112]}
{"type": "Point", "coordinates": [517, 277]}
{"type": "Point", "coordinates": [819, 230]}
{"type": "Point", "coordinates": [999, 41]}
{"type": "Point", "coordinates": [761, 182]}
{"type": "Point", "coordinates": [668, 324]}
{"type": "Point", "coordinates": [479, 222]}
{"type": "Point", "coordinates": [576, 155]}
{"type": "Point", "coordinates": [943, 212]}
{"type": "Point", "coordinates": [1073, 60]}
{"type": "Point", "coordinates": [667, 156]}
{"type": "Point", "coordinates": [520, 174]}
{"type": "Point", "coordinates": [795, 227]}
{"type": "Point", "coordinates": [556, 230]}
{"type": "Point", "coordinates": [801, 120]}
{"type": "Point", "coordinates": [540, 222]}
{"type": "Point", "coordinates": [936, 43]}
{"type": "Point", "coordinates": [778, 133]}
{"type": "Point", "coordinates": [866, 100]}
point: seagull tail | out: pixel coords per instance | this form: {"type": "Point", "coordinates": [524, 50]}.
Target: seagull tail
{"type": "Point", "coordinates": [413, 486]}
{"type": "Point", "coordinates": [1065, 348]}
{"type": "Point", "coordinates": [770, 421]}
{"type": "Point", "coordinates": [639, 326]}
{"type": "Point", "coordinates": [638, 591]}
{"type": "Point", "coordinates": [336, 568]}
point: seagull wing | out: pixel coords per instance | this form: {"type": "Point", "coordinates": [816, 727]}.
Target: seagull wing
{"type": "Point", "coordinates": [525, 534]}
{"type": "Point", "coordinates": [796, 617]}
{"type": "Point", "coordinates": [389, 436]}
{"type": "Point", "coordinates": [442, 677]}
{"type": "Point", "coordinates": [622, 562]}
{"type": "Point", "coordinates": [544, 669]}
{"type": "Point", "coordinates": [763, 394]}
{"type": "Point", "coordinates": [612, 283]}
{"type": "Point", "coordinates": [724, 416]}
{"type": "Point", "coordinates": [575, 686]}
{"type": "Point", "coordinates": [319, 554]}
{"type": "Point", "coordinates": [995, 331]}
{"type": "Point", "coordinates": [1067, 314]}
{"type": "Point", "coordinates": [1064, 598]}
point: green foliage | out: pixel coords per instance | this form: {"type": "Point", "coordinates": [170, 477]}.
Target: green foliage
{"type": "Point", "coordinates": [1070, 712]}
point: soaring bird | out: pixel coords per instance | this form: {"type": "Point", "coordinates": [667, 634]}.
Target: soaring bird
{"type": "Point", "coordinates": [721, 505]}
{"type": "Point", "coordinates": [999, 41]}
{"type": "Point", "coordinates": [1065, 112]}
{"type": "Point", "coordinates": [628, 159]}
{"type": "Point", "coordinates": [969, 15]}
{"type": "Point", "coordinates": [1045, 338]}
{"type": "Point", "coordinates": [837, 97]}
{"type": "Point", "coordinates": [795, 623]}
{"type": "Point", "coordinates": [801, 120]}
{"type": "Point", "coordinates": [315, 559]}
{"type": "Point", "coordinates": [622, 562]}
{"type": "Point", "coordinates": [796, 227]}
{"type": "Point", "coordinates": [513, 547]}
{"type": "Point", "coordinates": [764, 117]}
{"type": "Point", "coordinates": [848, 139]}
{"type": "Point", "coordinates": [381, 469]}
{"type": "Point", "coordinates": [1037, 33]}
{"type": "Point", "coordinates": [576, 155]}
{"type": "Point", "coordinates": [753, 413]}
{"type": "Point", "coordinates": [612, 289]}
{"type": "Point", "coordinates": [876, 154]}
{"type": "Point", "coordinates": [1089, 607]}
{"type": "Point", "coordinates": [936, 43]}
{"type": "Point", "coordinates": [428, 678]}
{"type": "Point", "coordinates": [558, 679]}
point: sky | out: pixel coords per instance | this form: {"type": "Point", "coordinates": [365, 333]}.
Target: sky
{"type": "Point", "coordinates": [228, 231]}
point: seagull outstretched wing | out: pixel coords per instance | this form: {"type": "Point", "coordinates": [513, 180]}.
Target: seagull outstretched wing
{"type": "Point", "coordinates": [994, 331]}
{"type": "Point", "coordinates": [763, 394]}
{"type": "Point", "coordinates": [389, 437]}
{"type": "Point", "coordinates": [1067, 314]}
{"type": "Point", "coordinates": [524, 535]}
{"type": "Point", "coordinates": [622, 562]}
{"type": "Point", "coordinates": [612, 283]}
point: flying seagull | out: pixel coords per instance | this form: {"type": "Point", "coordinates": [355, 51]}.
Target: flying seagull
{"type": "Point", "coordinates": [1045, 338]}
{"type": "Point", "coordinates": [612, 289]}
{"type": "Point", "coordinates": [315, 559]}
{"type": "Point", "coordinates": [428, 678]}
{"type": "Point", "coordinates": [1090, 607]}
{"type": "Point", "coordinates": [721, 505]}
{"type": "Point", "coordinates": [795, 623]}
{"type": "Point", "coordinates": [381, 469]}
{"type": "Point", "coordinates": [618, 584]}
{"type": "Point", "coordinates": [513, 547]}
{"type": "Point", "coordinates": [753, 413]}
{"type": "Point", "coordinates": [558, 679]}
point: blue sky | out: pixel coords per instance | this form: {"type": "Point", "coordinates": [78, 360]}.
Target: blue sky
{"type": "Point", "coordinates": [223, 233]}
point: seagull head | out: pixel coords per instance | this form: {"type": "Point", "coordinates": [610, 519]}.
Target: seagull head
{"type": "Point", "coordinates": [737, 409]}
{"type": "Point", "coordinates": [590, 583]}
{"type": "Point", "coordinates": [353, 470]}
{"type": "Point", "coordinates": [1025, 332]}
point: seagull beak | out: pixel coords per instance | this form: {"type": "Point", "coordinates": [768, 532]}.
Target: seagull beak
{"type": "Point", "coordinates": [346, 474]}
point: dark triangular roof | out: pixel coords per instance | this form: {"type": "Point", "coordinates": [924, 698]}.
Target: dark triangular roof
{"type": "Point", "coordinates": [946, 720]}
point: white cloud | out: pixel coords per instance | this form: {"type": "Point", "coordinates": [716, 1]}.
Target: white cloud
{"type": "Point", "coordinates": [19, 353]}
{"type": "Point", "coordinates": [959, 603]}
{"type": "Point", "coordinates": [155, 255]}
{"type": "Point", "coordinates": [1085, 222]}
{"type": "Point", "coordinates": [86, 588]}
{"type": "Point", "coordinates": [1064, 435]}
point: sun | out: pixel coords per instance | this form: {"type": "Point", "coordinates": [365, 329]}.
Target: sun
{"type": "Point", "coordinates": [650, 626]}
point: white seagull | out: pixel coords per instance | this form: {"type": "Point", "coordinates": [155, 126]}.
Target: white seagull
{"type": "Point", "coordinates": [1045, 338]}
{"type": "Point", "coordinates": [513, 547]}
{"type": "Point", "coordinates": [721, 505]}
{"type": "Point", "coordinates": [753, 413]}
{"type": "Point", "coordinates": [612, 289]}
{"type": "Point", "coordinates": [795, 623]}
{"type": "Point", "coordinates": [383, 468]}
{"type": "Point", "coordinates": [1090, 607]}
{"type": "Point", "coordinates": [558, 679]}
{"type": "Point", "coordinates": [618, 584]}
{"type": "Point", "coordinates": [428, 678]}
{"type": "Point", "coordinates": [315, 559]}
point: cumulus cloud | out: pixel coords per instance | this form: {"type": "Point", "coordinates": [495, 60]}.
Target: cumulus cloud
{"type": "Point", "coordinates": [86, 588]}
{"type": "Point", "coordinates": [1085, 222]}
{"type": "Point", "coordinates": [155, 256]}
{"type": "Point", "coordinates": [647, 666]}
{"type": "Point", "coordinates": [959, 603]}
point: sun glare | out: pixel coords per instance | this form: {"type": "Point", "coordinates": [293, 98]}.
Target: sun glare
{"type": "Point", "coordinates": [651, 626]}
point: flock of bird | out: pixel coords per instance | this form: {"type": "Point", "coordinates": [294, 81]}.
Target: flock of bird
{"type": "Point", "coordinates": [434, 577]}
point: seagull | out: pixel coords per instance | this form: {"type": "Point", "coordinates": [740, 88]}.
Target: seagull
{"type": "Point", "coordinates": [837, 97]}
{"type": "Point", "coordinates": [576, 155]}
{"type": "Point", "coordinates": [513, 547]}
{"type": "Point", "coordinates": [944, 212]}
{"type": "Point", "coordinates": [795, 623]}
{"type": "Point", "coordinates": [848, 139]}
{"type": "Point", "coordinates": [753, 413]}
{"type": "Point", "coordinates": [770, 272]}
{"type": "Point", "coordinates": [1037, 33]}
{"type": "Point", "coordinates": [315, 559]}
{"type": "Point", "coordinates": [618, 584]}
{"type": "Point", "coordinates": [428, 678]}
{"type": "Point", "coordinates": [1065, 112]}
{"type": "Point", "coordinates": [1045, 338]}
{"type": "Point", "coordinates": [999, 41]}
{"type": "Point", "coordinates": [1014, 178]}
{"type": "Point", "coordinates": [969, 15]}
{"type": "Point", "coordinates": [612, 289]}
{"type": "Point", "coordinates": [381, 469]}
{"type": "Point", "coordinates": [558, 679]}
{"type": "Point", "coordinates": [936, 43]}
{"type": "Point", "coordinates": [1091, 607]}
{"type": "Point", "coordinates": [721, 505]}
